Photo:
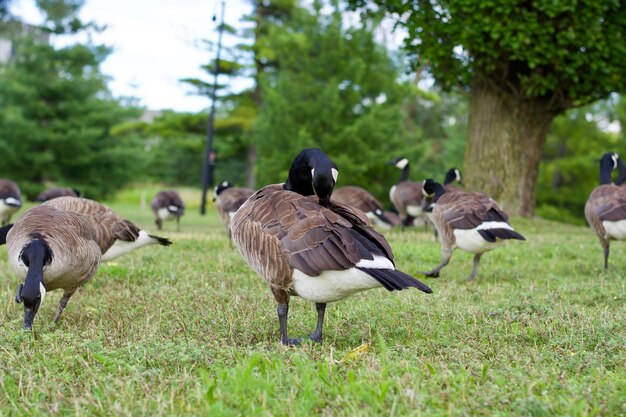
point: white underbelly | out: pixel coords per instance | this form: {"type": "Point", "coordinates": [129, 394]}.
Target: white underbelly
{"type": "Point", "coordinates": [332, 286]}
{"type": "Point", "coordinates": [615, 230]}
{"type": "Point", "coordinates": [471, 241]}
{"type": "Point", "coordinates": [7, 210]}
{"type": "Point", "coordinates": [164, 214]}
{"type": "Point", "coordinates": [414, 211]}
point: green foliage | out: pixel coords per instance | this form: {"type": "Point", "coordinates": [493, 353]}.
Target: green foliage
{"type": "Point", "coordinates": [568, 51]}
{"type": "Point", "coordinates": [191, 330]}
{"type": "Point", "coordinates": [569, 169]}
{"type": "Point", "coordinates": [55, 120]}
{"type": "Point", "coordinates": [337, 89]}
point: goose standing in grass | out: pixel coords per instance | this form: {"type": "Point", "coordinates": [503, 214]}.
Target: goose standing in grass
{"type": "Point", "coordinates": [228, 199]}
{"type": "Point", "coordinates": [51, 249]}
{"type": "Point", "coordinates": [116, 236]}
{"type": "Point", "coordinates": [167, 205]}
{"type": "Point", "coordinates": [405, 195]}
{"type": "Point", "coordinates": [472, 222]}
{"type": "Point", "coordinates": [453, 175]}
{"type": "Point", "coordinates": [10, 200]}
{"type": "Point", "coordinates": [363, 200]}
{"type": "Point", "coordinates": [302, 244]}
{"type": "Point", "coordinates": [606, 207]}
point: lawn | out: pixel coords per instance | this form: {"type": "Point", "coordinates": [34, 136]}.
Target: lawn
{"type": "Point", "coordinates": [191, 330]}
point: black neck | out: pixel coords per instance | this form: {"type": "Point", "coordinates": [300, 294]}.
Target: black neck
{"type": "Point", "coordinates": [439, 191]}
{"type": "Point", "coordinates": [450, 177]}
{"type": "Point", "coordinates": [606, 169]}
{"type": "Point", "coordinates": [34, 255]}
{"type": "Point", "coordinates": [404, 174]}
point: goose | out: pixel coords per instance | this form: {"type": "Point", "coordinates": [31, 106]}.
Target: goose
{"type": "Point", "coordinates": [167, 205]}
{"type": "Point", "coordinates": [302, 244]}
{"type": "Point", "coordinates": [363, 200]}
{"type": "Point", "coordinates": [51, 249]}
{"type": "Point", "coordinates": [51, 193]}
{"type": "Point", "coordinates": [405, 195]}
{"type": "Point", "coordinates": [453, 175]}
{"type": "Point", "coordinates": [227, 200]}
{"type": "Point", "coordinates": [116, 236]}
{"type": "Point", "coordinates": [605, 209]}
{"type": "Point", "coordinates": [10, 200]}
{"type": "Point", "coordinates": [472, 222]}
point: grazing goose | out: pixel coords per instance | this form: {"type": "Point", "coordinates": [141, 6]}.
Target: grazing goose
{"type": "Point", "coordinates": [10, 200]}
{"type": "Point", "coordinates": [228, 199]}
{"type": "Point", "coordinates": [116, 236]}
{"type": "Point", "coordinates": [606, 207]}
{"type": "Point", "coordinates": [361, 199]}
{"type": "Point", "coordinates": [405, 195]}
{"type": "Point", "coordinates": [51, 193]}
{"type": "Point", "coordinates": [167, 205]}
{"type": "Point", "coordinates": [470, 221]}
{"type": "Point", "coordinates": [453, 175]}
{"type": "Point", "coordinates": [51, 249]}
{"type": "Point", "coordinates": [302, 244]}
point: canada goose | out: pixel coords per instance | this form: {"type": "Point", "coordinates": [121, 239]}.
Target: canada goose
{"type": "Point", "coordinates": [470, 221]}
{"type": "Point", "coordinates": [606, 207]}
{"type": "Point", "coordinates": [361, 199]}
{"type": "Point", "coordinates": [405, 195]}
{"type": "Point", "coordinates": [453, 175]}
{"type": "Point", "coordinates": [51, 193]}
{"type": "Point", "coordinates": [51, 249]}
{"type": "Point", "coordinates": [10, 200]}
{"type": "Point", "coordinates": [116, 236]}
{"type": "Point", "coordinates": [167, 205]}
{"type": "Point", "coordinates": [228, 199]}
{"type": "Point", "coordinates": [302, 244]}
{"type": "Point", "coordinates": [393, 217]}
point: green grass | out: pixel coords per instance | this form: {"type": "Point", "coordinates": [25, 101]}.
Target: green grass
{"type": "Point", "coordinates": [191, 330]}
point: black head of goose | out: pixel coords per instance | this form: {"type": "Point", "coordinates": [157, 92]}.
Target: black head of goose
{"type": "Point", "coordinates": [115, 236]}
{"type": "Point", "coordinates": [302, 244]}
{"type": "Point", "coordinates": [51, 249]}
{"type": "Point", "coordinates": [472, 222]}
{"type": "Point", "coordinates": [405, 195]}
{"type": "Point", "coordinates": [167, 205]}
{"type": "Point", "coordinates": [10, 200]}
{"type": "Point", "coordinates": [51, 193]}
{"type": "Point", "coordinates": [363, 200]}
{"type": "Point", "coordinates": [453, 175]}
{"type": "Point", "coordinates": [228, 199]}
{"type": "Point", "coordinates": [605, 209]}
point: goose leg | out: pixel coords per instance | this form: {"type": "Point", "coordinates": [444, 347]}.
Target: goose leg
{"type": "Point", "coordinates": [606, 257]}
{"type": "Point", "coordinates": [159, 223]}
{"type": "Point", "coordinates": [316, 336]}
{"type": "Point", "coordinates": [282, 297]}
{"type": "Point", "coordinates": [63, 303]}
{"type": "Point", "coordinates": [434, 273]}
{"type": "Point", "coordinates": [178, 223]}
{"type": "Point", "coordinates": [472, 276]}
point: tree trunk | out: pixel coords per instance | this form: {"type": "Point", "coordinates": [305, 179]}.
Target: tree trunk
{"type": "Point", "coordinates": [505, 140]}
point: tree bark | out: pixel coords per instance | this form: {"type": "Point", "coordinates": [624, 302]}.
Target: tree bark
{"type": "Point", "coordinates": [506, 135]}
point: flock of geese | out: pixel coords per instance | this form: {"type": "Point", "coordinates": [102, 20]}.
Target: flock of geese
{"type": "Point", "coordinates": [303, 237]}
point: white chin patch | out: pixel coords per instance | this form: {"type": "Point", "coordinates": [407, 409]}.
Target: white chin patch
{"type": "Point", "coordinates": [401, 164]}
{"type": "Point", "coordinates": [42, 290]}
{"type": "Point", "coordinates": [225, 184]}
{"type": "Point", "coordinates": [11, 200]}
{"type": "Point", "coordinates": [335, 174]}
{"type": "Point", "coordinates": [458, 175]}
{"type": "Point", "coordinates": [614, 157]}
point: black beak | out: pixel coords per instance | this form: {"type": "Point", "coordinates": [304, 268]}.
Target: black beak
{"type": "Point", "coordinates": [29, 317]}
{"type": "Point", "coordinates": [18, 295]}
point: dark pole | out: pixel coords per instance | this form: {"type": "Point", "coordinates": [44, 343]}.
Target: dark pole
{"type": "Point", "coordinates": [209, 156]}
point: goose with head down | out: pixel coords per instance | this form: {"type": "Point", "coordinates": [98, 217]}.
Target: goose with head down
{"type": "Point", "coordinates": [302, 244]}
{"type": "Point", "coordinates": [10, 200]}
{"type": "Point", "coordinates": [605, 209]}
{"type": "Point", "coordinates": [167, 205]}
{"type": "Point", "coordinates": [228, 199]}
{"type": "Point", "coordinates": [406, 195]}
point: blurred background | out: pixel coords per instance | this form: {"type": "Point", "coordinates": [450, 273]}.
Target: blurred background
{"type": "Point", "coordinates": [108, 96]}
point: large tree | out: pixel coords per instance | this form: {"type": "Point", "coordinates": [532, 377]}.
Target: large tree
{"type": "Point", "coordinates": [522, 63]}
{"type": "Point", "coordinates": [56, 112]}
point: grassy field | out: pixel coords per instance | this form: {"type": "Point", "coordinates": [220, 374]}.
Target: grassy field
{"type": "Point", "coordinates": [191, 330]}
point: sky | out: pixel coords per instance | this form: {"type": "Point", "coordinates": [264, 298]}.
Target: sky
{"type": "Point", "coordinates": [154, 45]}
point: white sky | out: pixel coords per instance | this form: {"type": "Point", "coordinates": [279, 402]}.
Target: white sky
{"type": "Point", "coordinates": [153, 43]}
